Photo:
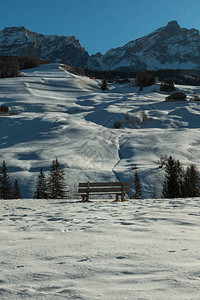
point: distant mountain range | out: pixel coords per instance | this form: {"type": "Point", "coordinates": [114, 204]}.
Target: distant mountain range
{"type": "Point", "coordinates": [23, 42]}
{"type": "Point", "coordinates": [169, 47]}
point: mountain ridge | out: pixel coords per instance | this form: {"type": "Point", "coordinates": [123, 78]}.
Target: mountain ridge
{"type": "Point", "coordinates": [21, 41]}
{"type": "Point", "coordinates": [168, 47]}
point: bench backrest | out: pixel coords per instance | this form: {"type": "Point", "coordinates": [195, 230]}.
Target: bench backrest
{"type": "Point", "coordinates": [103, 187]}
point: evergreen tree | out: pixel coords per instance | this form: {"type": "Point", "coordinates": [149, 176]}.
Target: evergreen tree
{"type": "Point", "coordinates": [137, 186]}
{"type": "Point", "coordinates": [5, 184]}
{"type": "Point", "coordinates": [191, 182]}
{"type": "Point", "coordinates": [172, 186]}
{"type": "Point", "coordinates": [41, 186]}
{"type": "Point", "coordinates": [104, 84]}
{"type": "Point", "coordinates": [16, 194]}
{"type": "Point", "coordinates": [180, 177]}
{"type": "Point", "coordinates": [56, 183]}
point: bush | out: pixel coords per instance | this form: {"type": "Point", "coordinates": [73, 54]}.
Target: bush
{"type": "Point", "coordinates": [178, 96]}
{"type": "Point", "coordinates": [145, 79]}
{"type": "Point", "coordinates": [117, 125]}
{"type": "Point", "coordinates": [4, 108]}
{"type": "Point", "coordinates": [144, 116]}
{"type": "Point", "coordinates": [104, 84]}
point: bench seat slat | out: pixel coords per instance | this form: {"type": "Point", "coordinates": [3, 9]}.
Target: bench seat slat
{"type": "Point", "coordinates": [105, 190]}
{"type": "Point", "coordinates": [99, 184]}
{"type": "Point", "coordinates": [99, 193]}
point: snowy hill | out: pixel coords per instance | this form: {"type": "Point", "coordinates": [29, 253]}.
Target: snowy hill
{"type": "Point", "coordinates": [58, 114]}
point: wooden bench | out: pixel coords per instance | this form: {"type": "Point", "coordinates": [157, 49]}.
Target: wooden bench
{"type": "Point", "coordinates": [103, 188]}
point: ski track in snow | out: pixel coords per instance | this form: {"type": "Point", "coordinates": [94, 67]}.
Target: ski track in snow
{"type": "Point", "coordinates": [62, 115]}
{"type": "Point", "coordinates": [143, 249]}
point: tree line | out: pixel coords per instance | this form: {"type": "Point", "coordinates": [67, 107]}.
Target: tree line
{"type": "Point", "coordinates": [53, 187]}
{"type": "Point", "coordinates": [146, 77]}
{"type": "Point", "coordinates": [7, 189]}
{"type": "Point", "coordinates": [178, 182]}
{"type": "Point", "coordinates": [11, 65]}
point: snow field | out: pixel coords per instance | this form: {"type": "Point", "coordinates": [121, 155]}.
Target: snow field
{"type": "Point", "coordinates": [62, 115]}
{"type": "Point", "coordinates": [141, 249]}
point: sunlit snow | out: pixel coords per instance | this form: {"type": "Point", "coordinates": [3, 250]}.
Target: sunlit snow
{"type": "Point", "coordinates": [58, 114]}
{"type": "Point", "coordinates": [65, 249]}
{"type": "Point", "coordinates": [140, 249]}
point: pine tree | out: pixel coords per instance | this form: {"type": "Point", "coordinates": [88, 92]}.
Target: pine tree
{"type": "Point", "coordinates": [41, 186]}
{"type": "Point", "coordinates": [104, 84]}
{"type": "Point", "coordinates": [16, 194]}
{"type": "Point", "coordinates": [180, 176]}
{"type": "Point", "coordinates": [137, 186]}
{"type": "Point", "coordinates": [5, 184]}
{"type": "Point", "coordinates": [56, 183]}
{"type": "Point", "coordinates": [172, 186]}
{"type": "Point", "coordinates": [191, 182]}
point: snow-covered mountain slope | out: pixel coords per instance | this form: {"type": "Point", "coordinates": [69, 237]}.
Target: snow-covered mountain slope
{"type": "Point", "coordinates": [169, 47]}
{"type": "Point", "coordinates": [58, 114]}
{"type": "Point", "coordinates": [143, 249]}
{"type": "Point", "coordinates": [23, 42]}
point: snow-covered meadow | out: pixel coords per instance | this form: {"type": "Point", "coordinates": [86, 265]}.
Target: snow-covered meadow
{"type": "Point", "coordinates": [65, 249]}
{"type": "Point", "coordinates": [140, 249]}
{"type": "Point", "coordinates": [58, 114]}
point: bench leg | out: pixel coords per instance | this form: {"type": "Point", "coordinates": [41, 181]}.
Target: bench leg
{"type": "Point", "coordinates": [85, 198]}
{"type": "Point", "coordinates": [122, 197]}
{"type": "Point", "coordinates": [87, 194]}
{"type": "Point", "coordinates": [117, 198]}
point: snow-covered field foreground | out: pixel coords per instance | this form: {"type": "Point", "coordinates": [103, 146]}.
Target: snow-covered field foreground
{"type": "Point", "coordinates": [58, 114]}
{"type": "Point", "coordinates": [141, 249]}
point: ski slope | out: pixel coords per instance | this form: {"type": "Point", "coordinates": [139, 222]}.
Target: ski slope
{"type": "Point", "coordinates": [140, 249]}
{"type": "Point", "coordinates": [58, 114]}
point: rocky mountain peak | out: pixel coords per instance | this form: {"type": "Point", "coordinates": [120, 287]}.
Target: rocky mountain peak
{"type": "Point", "coordinates": [173, 24]}
{"type": "Point", "coordinates": [173, 27]}
{"type": "Point", "coordinates": [13, 29]}
{"type": "Point", "coordinates": [169, 47]}
{"type": "Point", "coordinates": [21, 41]}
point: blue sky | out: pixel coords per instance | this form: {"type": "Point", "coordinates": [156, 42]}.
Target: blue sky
{"type": "Point", "coordinates": [99, 24]}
